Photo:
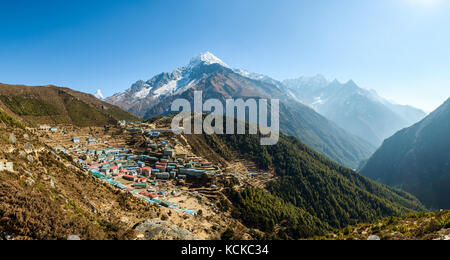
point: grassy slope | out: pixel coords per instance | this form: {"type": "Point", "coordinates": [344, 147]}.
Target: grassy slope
{"type": "Point", "coordinates": [54, 105]}
{"type": "Point", "coordinates": [8, 120]}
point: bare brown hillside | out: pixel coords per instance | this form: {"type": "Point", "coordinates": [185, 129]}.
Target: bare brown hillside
{"type": "Point", "coordinates": [46, 197]}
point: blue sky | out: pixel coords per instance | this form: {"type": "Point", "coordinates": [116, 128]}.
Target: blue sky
{"type": "Point", "coordinates": [398, 47]}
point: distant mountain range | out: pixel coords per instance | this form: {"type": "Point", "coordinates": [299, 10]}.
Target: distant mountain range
{"type": "Point", "coordinates": [359, 111]}
{"type": "Point", "coordinates": [216, 79]}
{"type": "Point", "coordinates": [99, 95]}
{"type": "Point", "coordinates": [55, 105]}
{"type": "Point", "coordinates": [417, 160]}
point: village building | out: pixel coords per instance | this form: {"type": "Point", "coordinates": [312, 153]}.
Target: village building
{"type": "Point", "coordinates": [146, 172]}
{"type": "Point", "coordinates": [169, 152]}
{"type": "Point", "coordinates": [161, 166]}
{"type": "Point", "coordinates": [207, 164]}
{"type": "Point", "coordinates": [60, 150]}
{"type": "Point", "coordinates": [162, 176]}
{"type": "Point", "coordinates": [44, 127]}
{"type": "Point", "coordinates": [129, 178]}
{"type": "Point", "coordinates": [134, 130]}
{"type": "Point", "coordinates": [6, 166]}
{"type": "Point", "coordinates": [139, 185]}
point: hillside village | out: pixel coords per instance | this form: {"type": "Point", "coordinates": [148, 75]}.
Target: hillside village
{"type": "Point", "coordinates": [93, 174]}
{"type": "Point", "coordinates": [148, 161]}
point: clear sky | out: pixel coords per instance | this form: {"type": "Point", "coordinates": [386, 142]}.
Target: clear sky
{"type": "Point", "coordinates": [401, 48]}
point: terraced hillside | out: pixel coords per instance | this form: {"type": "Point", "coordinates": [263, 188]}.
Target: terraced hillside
{"type": "Point", "coordinates": [55, 105]}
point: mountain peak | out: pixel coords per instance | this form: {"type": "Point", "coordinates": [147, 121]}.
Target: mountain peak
{"type": "Point", "coordinates": [207, 58]}
{"type": "Point", "coordinates": [318, 81]}
{"type": "Point", "coordinates": [336, 81]}
{"type": "Point", "coordinates": [351, 83]}
{"type": "Point", "coordinates": [99, 95]}
{"type": "Point", "coordinates": [320, 77]}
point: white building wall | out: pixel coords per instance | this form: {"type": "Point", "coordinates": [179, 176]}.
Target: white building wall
{"type": "Point", "coordinates": [6, 166]}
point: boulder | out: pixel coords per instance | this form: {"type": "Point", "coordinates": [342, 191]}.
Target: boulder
{"type": "Point", "coordinates": [12, 138]}
{"type": "Point", "coordinates": [154, 229]}
{"type": "Point", "coordinates": [73, 238]}
{"type": "Point", "coordinates": [30, 158]}
{"type": "Point", "coordinates": [374, 238]}
{"type": "Point", "coordinates": [28, 146]}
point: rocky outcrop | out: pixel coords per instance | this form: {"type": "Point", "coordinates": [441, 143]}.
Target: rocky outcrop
{"type": "Point", "coordinates": [155, 229]}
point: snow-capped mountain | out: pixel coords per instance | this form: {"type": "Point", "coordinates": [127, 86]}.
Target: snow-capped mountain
{"type": "Point", "coordinates": [99, 95]}
{"type": "Point", "coordinates": [145, 94]}
{"type": "Point", "coordinates": [217, 80]}
{"type": "Point", "coordinates": [265, 79]}
{"type": "Point", "coordinates": [206, 58]}
{"type": "Point", "coordinates": [359, 111]}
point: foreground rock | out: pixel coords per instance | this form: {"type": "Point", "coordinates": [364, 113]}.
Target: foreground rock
{"type": "Point", "coordinates": [73, 238]}
{"type": "Point", "coordinates": [373, 238]}
{"type": "Point", "coordinates": [154, 229]}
